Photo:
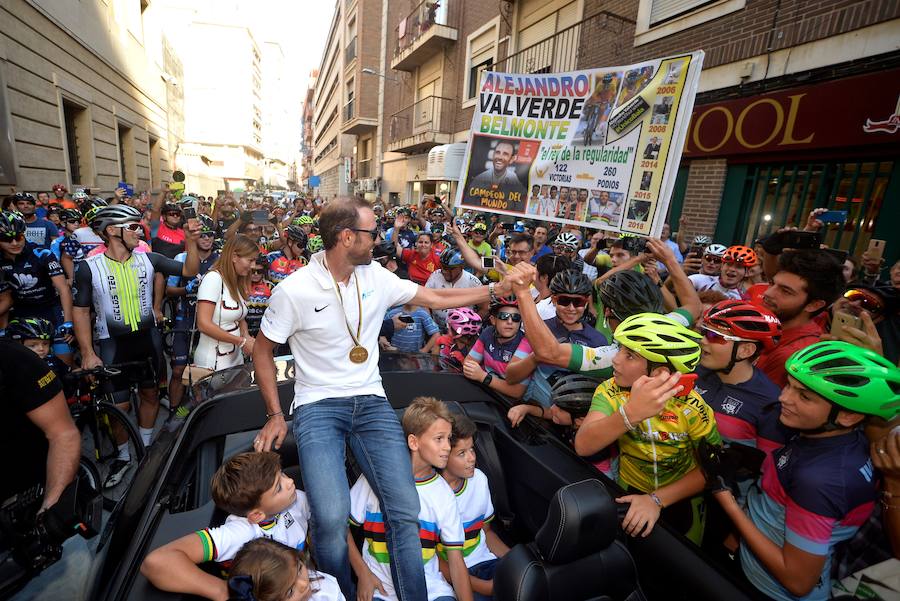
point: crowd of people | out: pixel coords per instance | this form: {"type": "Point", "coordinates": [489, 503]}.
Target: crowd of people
{"type": "Point", "coordinates": [748, 395]}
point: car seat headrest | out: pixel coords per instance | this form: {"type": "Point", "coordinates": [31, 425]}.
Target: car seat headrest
{"type": "Point", "coordinates": [582, 519]}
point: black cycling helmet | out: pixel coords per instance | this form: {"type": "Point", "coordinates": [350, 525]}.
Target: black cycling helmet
{"type": "Point", "coordinates": [207, 225]}
{"type": "Point", "coordinates": [573, 392]}
{"type": "Point", "coordinates": [91, 205]}
{"type": "Point", "coordinates": [628, 292]}
{"type": "Point", "coordinates": [114, 215]}
{"type": "Point", "coordinates": [70, 215]}
{"type": "Point", "coordinates": [296, 233]}
{"type": "Point", "coordinates": [12, 225]}
{"type": "Point", "coordinates": [29, 328]}
{"type": "Point", "coordinates": [22, 196]}
{"type": "Point", "coordinates": [383, 250]}
{"type": "Point", "coordinates": [570, 281]}
{"type": "Point", "coordinates": [171, 207]}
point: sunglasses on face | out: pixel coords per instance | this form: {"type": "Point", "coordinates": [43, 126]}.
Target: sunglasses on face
{"type": "Point", "coordinates": [577, 301]}
{"type": "Point", "coordinates": [712, 259]}
{"type": "Point", "coordinates": [866, 301]}
{"type": "Point", "coordinates": [72, 221]}
{"type": "Point", "coordinates": [131, 227]}
{"type": "Point", "coordinates": [504, 316]}
{"type": "Point", "coordinates": [207, 235]}
{"type": "Point", "coordinates": [373, 232]}
{"type": "Point", "coordinates": [716, 338]}
{"type": "Point", "coordinates": [16, 238]}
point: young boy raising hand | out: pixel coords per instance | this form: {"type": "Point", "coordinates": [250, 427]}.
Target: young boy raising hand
{"type": "Point", "coordinates": [426, 423]}
{"type": "Point", "coordinates": [473, 497]}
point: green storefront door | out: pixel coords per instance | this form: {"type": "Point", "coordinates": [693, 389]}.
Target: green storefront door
{"type": "Point", "coordinates": [759, 199]}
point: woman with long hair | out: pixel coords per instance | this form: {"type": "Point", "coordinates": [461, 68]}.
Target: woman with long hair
{"type": "Point", "coordinates": [222, 307]}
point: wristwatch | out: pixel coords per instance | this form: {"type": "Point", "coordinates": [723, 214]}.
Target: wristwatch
{"type": "Point", "coordinates": [487, 379]}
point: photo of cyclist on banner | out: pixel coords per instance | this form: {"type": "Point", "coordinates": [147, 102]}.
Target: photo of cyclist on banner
{"type": "Point", "coordinates": [592, 125]}
{"type": "Point", "coordinates": [502, 184]}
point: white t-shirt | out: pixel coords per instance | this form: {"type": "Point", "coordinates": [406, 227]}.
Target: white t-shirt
{"type": "Point", "coordinates": [227, 314]}
{"type": "Point", "coordinates": [305, 312]}
{"type": "Point", "coordinates": [476, 510]}
{"type": "Point", "coordinates": [325, 587]}
{"type": "Point", "coordinates": [589, 270]}
{"type": "Point", "coordinates": [288, 527]}
{"type": "Point", "coordinates": [545, 308]}
{"type": "Point", "coordinates": [711, 282]}
{"type": "Point", "coordinates": [437, 281]}
{"type": "Point", "coordinates": [439, 522]}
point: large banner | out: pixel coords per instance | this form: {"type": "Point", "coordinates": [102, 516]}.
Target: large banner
{"type": "Point", "coordinates": [597, 148]}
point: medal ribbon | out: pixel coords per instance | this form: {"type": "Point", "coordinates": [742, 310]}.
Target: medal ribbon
{"type": "Point", "coordinates": [340, 297]}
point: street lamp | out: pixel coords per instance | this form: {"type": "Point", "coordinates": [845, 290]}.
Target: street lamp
{"type": "Point", "coordinates": [369, 71]}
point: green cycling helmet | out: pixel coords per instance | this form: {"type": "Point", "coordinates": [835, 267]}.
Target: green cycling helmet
{"type": "Point", "coordinates": [302, 220]}
{"type": "Point", "coordinates": [315, 244]}
{"type": "Point", "coordinates": [660, 339]}
{"type": "Point", "coordinates": [849, 376]}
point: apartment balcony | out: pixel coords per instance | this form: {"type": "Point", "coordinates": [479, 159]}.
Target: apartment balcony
{"type": "Point", "coordinates": [421, 126]}
{"type": "Point", "coordinates": [601, 39]}
{"type": "Point", "coordinates": [426, 30]}
{"type": "Point", "coordinates": [354, 123]}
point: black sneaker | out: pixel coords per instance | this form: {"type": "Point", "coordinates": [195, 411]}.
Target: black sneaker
{"type": "Point", "coordinates": [117, 471]}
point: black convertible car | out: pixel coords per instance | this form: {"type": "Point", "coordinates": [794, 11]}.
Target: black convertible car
{"type": "Point", "coordinates": [553, 507]}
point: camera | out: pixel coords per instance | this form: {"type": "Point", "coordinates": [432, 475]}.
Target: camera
{"type": "Point", "coordinates": [36, 539]}
{"type": "Point", "coordinates": [635, 245]}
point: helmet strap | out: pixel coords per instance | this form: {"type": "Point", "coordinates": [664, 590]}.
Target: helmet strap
{"type": "Point", "coordinates": [830, 425]}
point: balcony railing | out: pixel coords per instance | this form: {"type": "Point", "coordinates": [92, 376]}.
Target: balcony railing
{"type": "Point", "coordinates": [601, 39]}
{"type": "Point", "coordinates": [349, 110]}
{"type": "Point", "coordinates": [363, 169]}
{"type": "Point", "coordinates": [423, 17]}
{"type": "Point", "coordinates": [350, 51]}
{"type": "Point", "coordinates": [422, 123]}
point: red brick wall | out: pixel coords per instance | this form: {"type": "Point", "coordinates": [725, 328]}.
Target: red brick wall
{"type": "Point", "coordinates": [744, 33]}
{"type": "Point", "coordinates": [706, 181]}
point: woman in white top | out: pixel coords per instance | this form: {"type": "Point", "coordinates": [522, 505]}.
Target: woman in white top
{"type": "Point", "coordinates": [222, 307]}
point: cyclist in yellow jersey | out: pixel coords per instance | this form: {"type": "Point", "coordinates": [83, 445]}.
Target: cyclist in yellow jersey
{"type": "Point", "coordinates": [656, 425]}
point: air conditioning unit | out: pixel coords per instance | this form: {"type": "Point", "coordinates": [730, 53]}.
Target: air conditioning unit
{"type": "Point", "coordinates": [445, 162]}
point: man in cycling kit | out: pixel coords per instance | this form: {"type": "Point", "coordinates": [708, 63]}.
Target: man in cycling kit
{"type": "Point", "coordinates": [36, 281]}
{"type": "Point", "coordinates": [167, 237]}
{"type": "Point", "coordinates": [118, 285]}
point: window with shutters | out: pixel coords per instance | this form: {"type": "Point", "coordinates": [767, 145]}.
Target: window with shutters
{"type": "Point", "coordinates": [658, 19]}
{"type": "Point", "coordinates": [481, 52]}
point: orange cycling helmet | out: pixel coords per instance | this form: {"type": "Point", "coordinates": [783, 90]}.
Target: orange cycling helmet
{"type": "Point", "coordinates": [740, 255]}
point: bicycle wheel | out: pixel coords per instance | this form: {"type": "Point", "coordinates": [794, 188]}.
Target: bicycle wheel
{"type": "Point", "coordinates": [116, 448]}
{"type": "Point", "coordinates": [88, 469]}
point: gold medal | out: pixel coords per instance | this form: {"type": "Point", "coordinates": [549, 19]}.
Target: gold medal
{"type": "Point", "coordinates": [359, 354]}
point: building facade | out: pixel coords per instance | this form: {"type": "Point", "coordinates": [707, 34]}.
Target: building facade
{"type": "Point", "coordinates": [88, 98]}
{"type": "Point", "coordinates": [798, 106]}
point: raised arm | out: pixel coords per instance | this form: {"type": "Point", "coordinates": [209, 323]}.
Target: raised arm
{"type": "Point", "coordinates": [547, 349]}
{"type": "Point", "coordinates": [684, 289]}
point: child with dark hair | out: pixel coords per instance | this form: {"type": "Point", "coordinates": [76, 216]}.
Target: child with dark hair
{"type": "Point", "coordinates": [473, 497]}
{"type": "Point", "coordinates": [266, 570]}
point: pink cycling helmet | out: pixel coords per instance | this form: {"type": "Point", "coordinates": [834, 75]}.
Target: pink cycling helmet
{"type": "Point", "coordinates": [463, 322]}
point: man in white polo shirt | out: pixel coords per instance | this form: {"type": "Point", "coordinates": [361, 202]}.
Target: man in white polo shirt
{"type": "Point", "coordinates": [330, 313]}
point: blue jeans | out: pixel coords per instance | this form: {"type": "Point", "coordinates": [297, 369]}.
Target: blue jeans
{"type": "Point", "coordinates": [370, 426]}
{"type": "Point", "coordinates": [484, 571]}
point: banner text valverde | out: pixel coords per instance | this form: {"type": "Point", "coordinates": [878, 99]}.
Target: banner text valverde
{"type": "Point", "coordinates": [525, 85]}
{"type": "Point", "coordinates": [524, 128]}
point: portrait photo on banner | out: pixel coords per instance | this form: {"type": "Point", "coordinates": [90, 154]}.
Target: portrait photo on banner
{"type": "Point", "coordinates": [498, 175]}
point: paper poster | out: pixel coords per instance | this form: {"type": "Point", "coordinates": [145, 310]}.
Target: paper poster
{"type": "Point", "coordinates": [597, 148]}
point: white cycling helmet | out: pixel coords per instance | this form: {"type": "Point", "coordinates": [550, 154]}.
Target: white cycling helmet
{"type": "Point", "coordinates": [567, 240]}
{"type": "Point", "coordinates": [716, 250]}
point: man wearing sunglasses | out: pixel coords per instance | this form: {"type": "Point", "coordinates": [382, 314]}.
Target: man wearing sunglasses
{"type": "Point", "coordinates": [498, 345]}
{"type": "Point", "coordinates": [331, 313]}
{"type": "Point", "coordinates": [570, 293]}
{"type": "Point", "coordinates": [118, 284]}
{"type": "Point", "coordinates": [167, 236]}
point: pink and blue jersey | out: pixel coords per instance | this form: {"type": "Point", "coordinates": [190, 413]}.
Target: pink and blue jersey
{"type": "Point", "coordinates": [494, 356]}
{"type": "Point", "coordinates": [746, 413]}
{"type": "Point", "coordinates": [815, 493]}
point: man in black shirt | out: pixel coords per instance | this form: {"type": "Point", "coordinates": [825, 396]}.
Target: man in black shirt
{"type": "Point", "coordinates": [37, 429]}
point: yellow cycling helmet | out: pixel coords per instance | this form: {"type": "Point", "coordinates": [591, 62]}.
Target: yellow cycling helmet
{"type": "Point", "coordinates": [660, 339]}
